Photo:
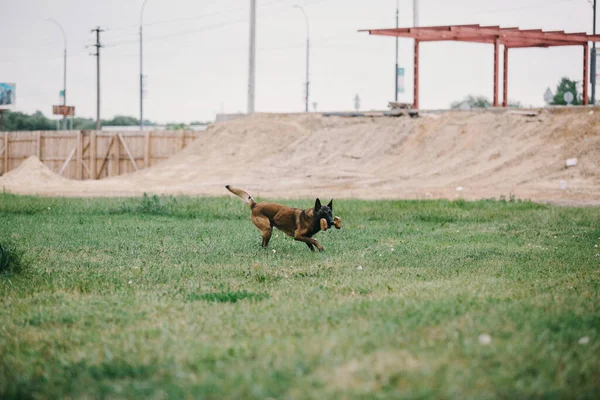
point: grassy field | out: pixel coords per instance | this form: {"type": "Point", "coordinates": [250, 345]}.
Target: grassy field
{"type": "Point", "coordinates": [163, 297]}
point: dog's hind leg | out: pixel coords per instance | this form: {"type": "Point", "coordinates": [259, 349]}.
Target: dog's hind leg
{"type": "Point", "coordinates": [266, 235]}
{"type": "Point", "coordinates": [310, 246]}
{"type": "Point", "coordinates": [264, 226]}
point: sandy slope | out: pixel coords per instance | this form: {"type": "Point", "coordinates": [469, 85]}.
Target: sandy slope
{"type": "Point", "coordinates": [487, 154]}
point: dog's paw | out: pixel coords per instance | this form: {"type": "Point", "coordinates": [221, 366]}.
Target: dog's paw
{"type": "Point", "coordinates": [323, 224]}
{"type": "Point", "coordinates": [337, 222]}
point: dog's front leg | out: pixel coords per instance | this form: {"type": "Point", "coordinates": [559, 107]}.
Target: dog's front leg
{"type": "Point", "coordinates": [310, 242]}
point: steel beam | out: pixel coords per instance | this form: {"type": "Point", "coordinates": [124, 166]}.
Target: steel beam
{"type": "Point", "coordinates": [536, 35]}
{"type": "Point", "coordinates": [586, 73]}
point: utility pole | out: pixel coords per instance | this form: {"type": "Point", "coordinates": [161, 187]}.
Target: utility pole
{"type": "Point", "coordinates": [65, 86]}
{"type": "Point", "coordinates": [141, 73]}
{"type": "Point", "coordinates": [415, 13]}
{"type": "Point", "coordinates": [64, 68]}
{"type": "Point", "coordinates": [594, 66]}
{"type": "Point", "coordinates": [416, 54]}
{"type": "Point", "coordinates": [97, 55]}
{"type": "Point", "coordinates": [396, 70]}
{"type": "Point", "coordinates": [307, 57]}
{"type": "Point", "coordinates": [252, 57]}
{"type": "Point", "coordinates": [307, 74]}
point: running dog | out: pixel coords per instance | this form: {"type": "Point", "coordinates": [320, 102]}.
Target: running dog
{"type": "Point", "coordinates": [300, 224]}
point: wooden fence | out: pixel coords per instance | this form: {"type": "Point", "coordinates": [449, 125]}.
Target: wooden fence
{"type": "Point", "coordinates": [91, 154]}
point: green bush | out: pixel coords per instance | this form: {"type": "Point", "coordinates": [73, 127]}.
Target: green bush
{"type": "Point", "coordinates": [11, 258]}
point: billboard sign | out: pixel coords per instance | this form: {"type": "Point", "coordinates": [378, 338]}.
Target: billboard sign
{"type": "Point", "coordinates": [568, 97]}
{"type": "Point", "coordinates": [63, 110]}
{"type": "Point", "coordinates": [400, 77]}
{"type": "Point", "coordinates": [8, 94]}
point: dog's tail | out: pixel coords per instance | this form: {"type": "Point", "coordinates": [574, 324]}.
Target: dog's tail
{"type": "Point", "coordinates": [242, 195]}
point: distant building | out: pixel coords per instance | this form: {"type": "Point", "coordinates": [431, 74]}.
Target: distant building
{"type": "Point", "coordinates": [229, 117]}
{"type": "Point", "coordinates": [133, 128]}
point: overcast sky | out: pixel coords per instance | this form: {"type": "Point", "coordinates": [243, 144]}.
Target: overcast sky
{"type": "Point", "coordinates": [196, 54]}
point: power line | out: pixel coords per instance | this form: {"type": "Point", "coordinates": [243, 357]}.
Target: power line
{"type": "Point", "coordinates": [195, 18]}
{"type": "Point", "coordinates": [180, 33]}
{"type": "Point", "coordinates": [317, 43]}
{"type": "Point", "coordinates": [201, 16]}
{"type": "Point", "coordinates": [320, 43]}
{"type": "Point", "coordinates": [46, 58]}
{"type": "Point", "coordinates": [134, 28]}
{"type": "Point", "coordinates": [41, 46]}
{"type": "Point", "coordinates": [135, 32]}
{"type": "Point", "coordinates": [195, 30]}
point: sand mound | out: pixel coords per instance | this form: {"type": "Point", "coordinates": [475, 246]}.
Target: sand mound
{"type": "Point", "coordinates": [32, 171]}
{"type": "Point", "coordinates": [485, 154]}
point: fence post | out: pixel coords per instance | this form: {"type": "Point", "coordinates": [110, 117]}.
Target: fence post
{"type": "Point", "coordinates": [5, 152]}
{"type": "Point", "coordinates": [79, 164]}
{"type": "Point", "coordinates": [147, 149]}
{"type": "Point", "coordinates": [116, 158]}
{"type": "Point", "coordinates": [93, 155]}
{"type": "Point", "coordinates": [38, 146]}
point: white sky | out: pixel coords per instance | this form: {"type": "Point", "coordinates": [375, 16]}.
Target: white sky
{"type": "Point", "coordinates": [196, 54]}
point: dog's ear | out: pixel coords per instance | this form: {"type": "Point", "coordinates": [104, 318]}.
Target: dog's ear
{"type": "Point", "coordinates": [330, 205]}
{"type": "Point", "coordinates": [317, 205]}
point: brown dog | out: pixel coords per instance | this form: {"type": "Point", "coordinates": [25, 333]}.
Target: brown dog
{"type": "Point", "coordinates": [295, 222]}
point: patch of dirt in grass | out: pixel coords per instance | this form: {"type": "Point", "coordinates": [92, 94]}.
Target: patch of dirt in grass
{"type": "Point", "coordinates": [372, 372]}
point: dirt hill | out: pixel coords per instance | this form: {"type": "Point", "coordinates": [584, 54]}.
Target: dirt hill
{"type": "Point", "coordinates": [456, 154]}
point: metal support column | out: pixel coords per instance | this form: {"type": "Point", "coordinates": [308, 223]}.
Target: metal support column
{"type": "Point", "coordinates": [416, 77]}
{"type": "Point", "coordinates": [396, 67]}
{"type": "Point", "coordinates": [594, 66]}
{"type": "Point", "coordinates": [586, 73]}
{"type": "Point", "coordinates": [593, 69]}
{"type": "Point", "coordinates": [496, 69]}
{"type": "Point", "coordinates": [505, 79]}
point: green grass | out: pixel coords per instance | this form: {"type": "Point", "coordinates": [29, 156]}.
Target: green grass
{"type": "Point", "coordinates": [173, 297]}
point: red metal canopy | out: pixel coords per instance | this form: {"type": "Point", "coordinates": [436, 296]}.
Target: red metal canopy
{"type": "Point", "coordinates": [510, 38]}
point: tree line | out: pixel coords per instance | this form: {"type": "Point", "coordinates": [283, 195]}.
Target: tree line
{"type": "Point", "coordinates": [565, 85]}
{"type": "Point", "coordinates": [19, 121]}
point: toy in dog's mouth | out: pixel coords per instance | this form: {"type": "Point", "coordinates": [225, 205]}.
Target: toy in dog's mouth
{"type": "Point", "coordinates": [323, 223]}
{"type": "Point", "coordinates": [337, 222]}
